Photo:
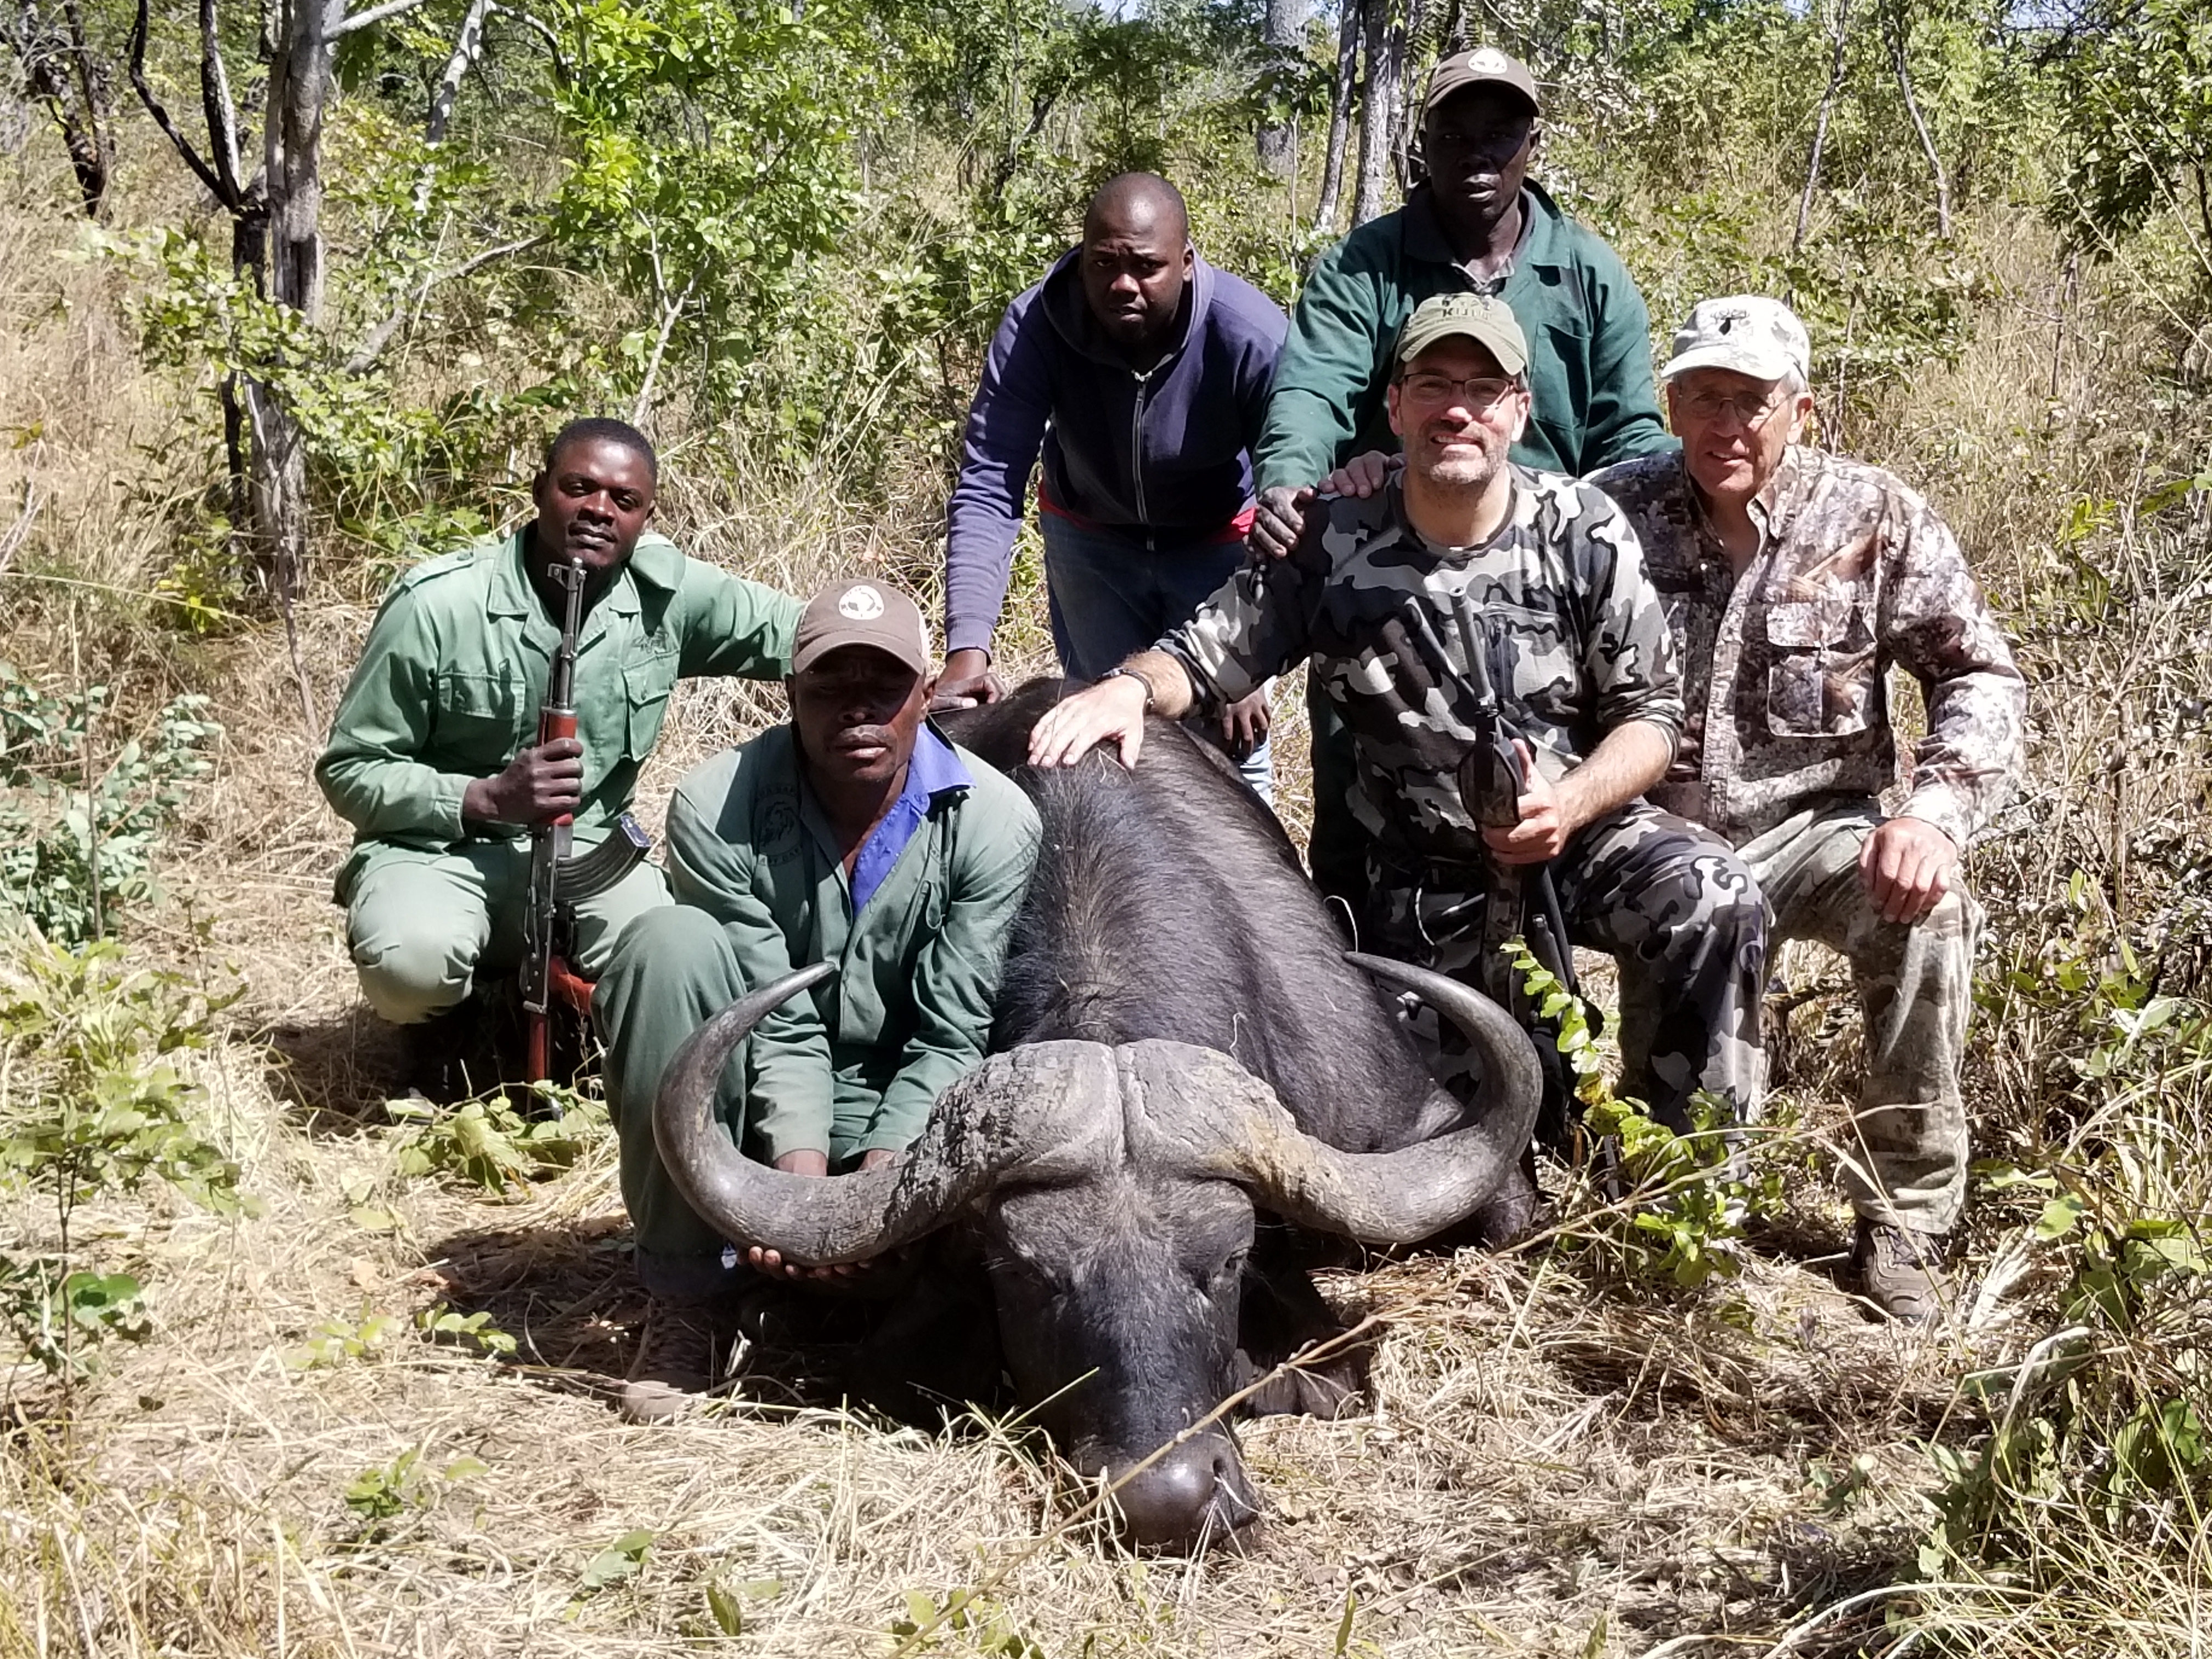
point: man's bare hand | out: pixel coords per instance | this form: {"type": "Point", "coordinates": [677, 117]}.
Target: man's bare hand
{"type": "Point", "coordinates": [1362, 476]}
{"type": "Point", "coordinates": [1542, 833]}
{"type": "Point", "coordinates": [967, 681]}
{"type": "Point", "coordinates": [1111, 711]}
{"type": "Point", "coordinates": [1244, 723]}
{"type": "Point", "coordinates": [1278, 521]}
{"type": "Point", "coordinates": [813, 1164]}
{"type": "Point", "coordinates": [1907, 864]}
{"type": "Point", "coordinates": [541, 782]}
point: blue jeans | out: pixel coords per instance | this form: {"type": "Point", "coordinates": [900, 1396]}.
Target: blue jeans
{"type": "Point", "coordinates": [1110, 598]}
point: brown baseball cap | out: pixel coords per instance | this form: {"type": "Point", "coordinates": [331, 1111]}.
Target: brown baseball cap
{"type": "Point", "coordinates": [1484, 66]}
{"type": "Point", "coordinates": [861, 611]}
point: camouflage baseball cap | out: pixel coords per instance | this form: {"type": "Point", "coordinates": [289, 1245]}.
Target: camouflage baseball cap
{"type": "Point", "coordinates": [861, 610]}
{"type": "Point", "coordinates": [1485, 65]}
{"type": "Point", "coordinates": [1746, 332]}
{"type": "Point", "coordinates": [1483, 317]}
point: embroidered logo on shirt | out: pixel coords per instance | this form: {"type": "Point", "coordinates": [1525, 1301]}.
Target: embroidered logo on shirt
{"type": "Point", "coordinates": [861, 602]}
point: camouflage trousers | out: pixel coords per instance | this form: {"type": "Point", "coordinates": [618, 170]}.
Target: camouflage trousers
{"type": "Point", "coordinates": [1906, 1161]}
{"type": "Point", "coordinates": [1667, 899]}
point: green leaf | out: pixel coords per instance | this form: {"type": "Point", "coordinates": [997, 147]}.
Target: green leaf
{"type": "Point", "coordinates": [619, 1561]}
{"type": "Point", "coordinates": [727, 1610]}
{"type": "Point", "coordinates": [2060, 1217]}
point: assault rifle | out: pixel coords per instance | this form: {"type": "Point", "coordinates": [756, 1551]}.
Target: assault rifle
{"type": "Point", "coordinates": [559, 879]}
{"type": "Point", "coordinates": [1491, 782]}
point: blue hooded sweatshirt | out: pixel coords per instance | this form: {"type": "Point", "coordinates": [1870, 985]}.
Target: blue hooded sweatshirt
{"type": "Point", "coordinates": [1162, 457]}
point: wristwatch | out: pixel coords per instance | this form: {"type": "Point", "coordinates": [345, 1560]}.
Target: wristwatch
{"type": "Point", "coordinates": [1125, 671]}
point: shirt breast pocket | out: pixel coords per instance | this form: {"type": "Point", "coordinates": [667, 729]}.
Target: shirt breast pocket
{"type": "Point", "coordinates": [475, 709]}
{"type": "Point", "coordinates": [1531, 648]}
{"type": "Point", "coordinates": [647, 681]}
{"type": "Point", "coordinates": [1820, 681]}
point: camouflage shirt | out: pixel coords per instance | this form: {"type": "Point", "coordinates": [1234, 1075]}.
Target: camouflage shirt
{"type": "Point", "coordinates": [1554, 612]}
{"type": "Point", "coordinates": [1785, 669]}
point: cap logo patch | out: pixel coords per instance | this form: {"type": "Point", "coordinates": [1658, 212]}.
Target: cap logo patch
{"type": "Point", "coordinates": [1488, 60]}
{"type": "Point", "coordinates": [861, 602]}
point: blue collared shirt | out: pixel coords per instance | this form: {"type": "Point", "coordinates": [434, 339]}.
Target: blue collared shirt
{"type": "Point", "coordinates": [934, 769]}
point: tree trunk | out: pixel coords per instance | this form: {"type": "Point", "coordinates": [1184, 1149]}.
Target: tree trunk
{"type": "Point", "coordinates": [1340, 115]}
{"type": "Point", "coordinates": [60, 72]}
{"type": "Point", "coordinates": [468, 44]}
{"type": "Point", "coordinates": [1897, 23]}
{"type": "Point", "coordinates": [1406, 119]}
{"type": "Point", "coordinates": [1837, 64]}
{"type": "Point", "coordinates": [292, 149]}
{"type": "Point", "coordinates": [1282, 34]}
{"type": "Point", "coordinates": [1378, 107]}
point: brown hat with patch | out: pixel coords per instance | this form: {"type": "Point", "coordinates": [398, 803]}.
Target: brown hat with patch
{"type": "Point", "coordinates": [1484, 66]}
{"type": "Point", "coordinates": [861, 611]}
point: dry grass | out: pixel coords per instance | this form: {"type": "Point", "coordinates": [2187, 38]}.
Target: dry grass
{"type": "Point", "coordinates": [1553, 1463]}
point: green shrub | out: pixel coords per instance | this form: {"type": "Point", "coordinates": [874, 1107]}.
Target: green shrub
{"type": "Point", "coordinates": [80, 827]}
{"type": "Point", "coordinates": [489, 1143]}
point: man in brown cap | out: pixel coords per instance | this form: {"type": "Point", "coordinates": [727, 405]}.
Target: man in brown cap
{"type": "Point", "coordinates": [1476, 224]}
{"type": "Point", "coordinates": [856, 833]}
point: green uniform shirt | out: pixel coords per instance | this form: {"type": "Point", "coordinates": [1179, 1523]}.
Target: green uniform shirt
{"type": "Point", "coordinates": [1589, 344]}
{"type": "Point", "coordinates": [449, 685]}
{"type": "Point", "coordinates": [855, 1063]}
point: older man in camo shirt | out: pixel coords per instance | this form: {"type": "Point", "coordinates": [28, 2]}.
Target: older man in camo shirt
{"type": "Point", "coordinates": [1793, 580]}
{"type": "Point", "coordinates": [1464, 577]}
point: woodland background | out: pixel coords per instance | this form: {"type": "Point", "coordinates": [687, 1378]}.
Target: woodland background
{"type": "Point", "coordinates": [290, 294]}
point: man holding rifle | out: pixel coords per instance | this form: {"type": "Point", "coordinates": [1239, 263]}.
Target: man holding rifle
{"type": "Point", "coordinates": [437, 757]}
{"type": "Point", "coordinates": [1472, 600]}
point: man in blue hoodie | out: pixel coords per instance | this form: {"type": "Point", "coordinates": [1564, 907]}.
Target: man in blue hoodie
{"type": "Point", "coordinates": [1140, 373]}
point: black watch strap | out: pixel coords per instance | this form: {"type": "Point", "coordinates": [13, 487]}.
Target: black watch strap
{"type": "Point", "coordinates": [1124, 671]}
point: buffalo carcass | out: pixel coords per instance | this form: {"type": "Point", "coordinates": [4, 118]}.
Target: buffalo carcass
{"type": "Point", "coordinates": [1180, 1037]}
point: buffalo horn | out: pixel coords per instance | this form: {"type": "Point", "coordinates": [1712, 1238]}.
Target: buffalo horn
{"type": "Point", "coordinates": [982, 1126]}
{"type": "Point", "coordinates": [1401, 1197]}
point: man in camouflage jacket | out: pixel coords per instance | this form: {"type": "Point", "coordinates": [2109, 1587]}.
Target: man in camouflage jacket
{"type": "Point", "coordinates": [1793, 580]}
{"type": "Point", "coordinates": [1472, 578]}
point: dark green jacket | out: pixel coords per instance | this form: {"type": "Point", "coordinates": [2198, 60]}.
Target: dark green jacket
{"type": "Point", "coordinates": [1589, 345]}
{"type": "Point", "coordinates": [449, 684]}
{"type": "Point", "coordinates": [855, 1064]}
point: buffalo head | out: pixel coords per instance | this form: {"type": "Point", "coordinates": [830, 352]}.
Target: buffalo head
{"type": "Point", "coordinates": [1115, 1186]}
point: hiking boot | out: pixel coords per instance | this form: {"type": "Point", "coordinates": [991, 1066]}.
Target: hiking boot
{"type": "Point", "coordinates": [674, 1368]}
{"type": "Point", "coordinates": [442, 1051]}
{"type": "Point", "coordinates": [1898, 1270]}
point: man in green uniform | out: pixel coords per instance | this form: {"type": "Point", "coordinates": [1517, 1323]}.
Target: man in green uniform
{"type": "Point", "coordinates": [856, 834]}
{"type": "Point", "coordinates": [1476, 224]}
{"type": "Point", "coordinates": [434, 757]}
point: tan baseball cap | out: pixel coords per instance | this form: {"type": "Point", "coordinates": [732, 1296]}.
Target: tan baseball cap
{"type": "Point", "coordinates": [1746, 332]}
{"type": "Point", "coordinates": [861, 611]}
{"type": "Point", "coordinates": [1485, 65]}
{"type": "Point", "coordinates": [1483, 317]}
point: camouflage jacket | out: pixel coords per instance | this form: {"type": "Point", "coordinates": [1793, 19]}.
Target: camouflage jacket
{"type": "Point", "coordinates": [1785, 669]}
{"type": "Point", "coordinates": [1407, 638]}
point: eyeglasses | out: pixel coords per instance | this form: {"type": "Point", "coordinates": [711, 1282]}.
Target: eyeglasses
{"type": "Point", "coordinates": [1481, 392]}
{"type": "Point", "coordinates": [1749, 407]}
